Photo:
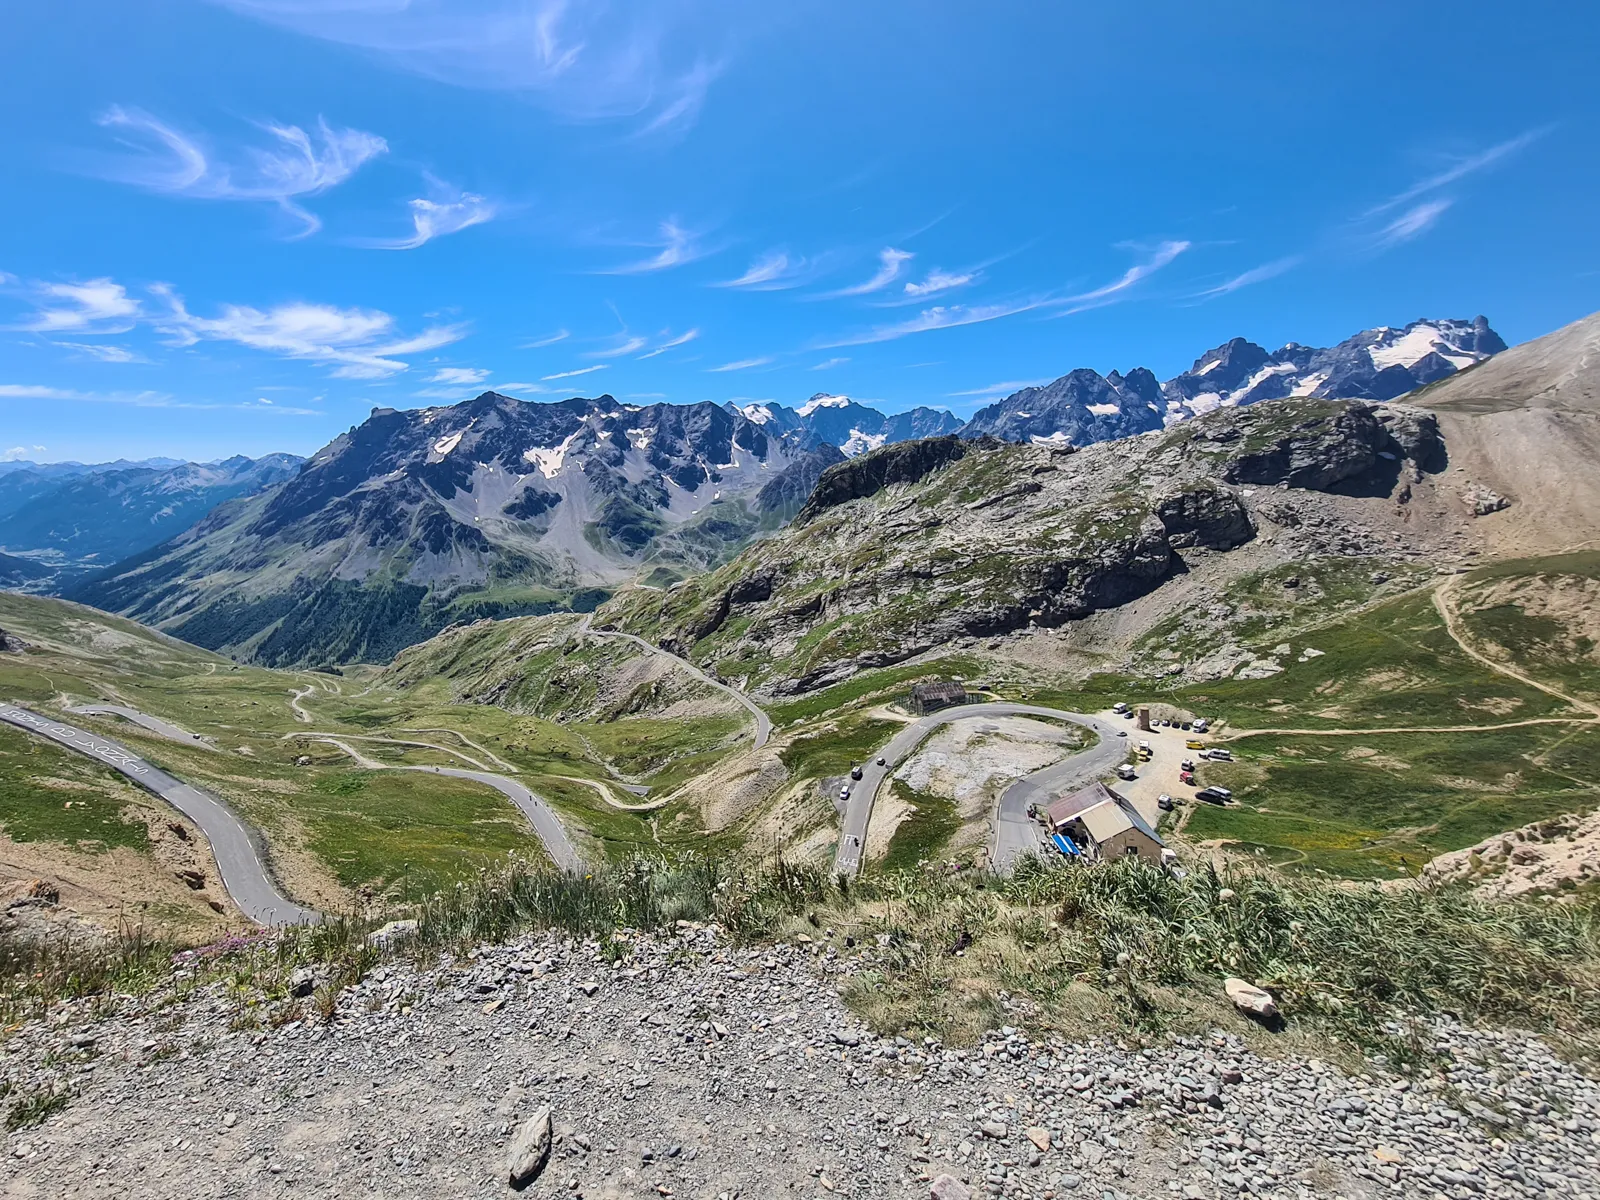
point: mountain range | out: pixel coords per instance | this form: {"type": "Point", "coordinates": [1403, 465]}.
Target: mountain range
{"type": "Point", "coordinates": [418, 519]}
{"type": "Point", "coordinates": [69, 517]}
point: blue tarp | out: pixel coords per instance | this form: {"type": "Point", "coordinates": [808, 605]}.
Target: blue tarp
{"type": "Point", "coordinates": [1066, 845]}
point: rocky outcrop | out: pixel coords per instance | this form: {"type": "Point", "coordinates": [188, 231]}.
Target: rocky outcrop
{"type": "Point", "coordinates": [1207, 516]}
{"type": "Point", "coordinates": [904, 462]}
{"type": "Point", "coordinates": [1560, 855]}
{"type": "Point", "coordinates": [1325, 449]}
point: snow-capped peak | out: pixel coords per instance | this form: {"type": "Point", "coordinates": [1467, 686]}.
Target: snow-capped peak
{"type": "Point", "coordinates": [759, 414]}
{"type": "Point", "coordinates": [823, 400]}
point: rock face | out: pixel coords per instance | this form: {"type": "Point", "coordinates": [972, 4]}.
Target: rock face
{"type": "Point", "coordinates": [1205, 515]}
{"type": "Point", "coordinates": [917, 545]}
{"type": "Point", "coordinates": [905, 463]}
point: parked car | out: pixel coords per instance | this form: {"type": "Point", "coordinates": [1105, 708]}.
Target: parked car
{"type": "Point", "coordinates": [1186, 765]}
{"type": "Point", "coordinates": [855, 773]}
{"type": "Point", "coordinates": [1186, 777]}
{"type": "Point", "coordinates": [844, 793]}
{"type": "Point", "coordinates": [1119, 708]}
{"type": "Point", "coordinates": [1194, 744]}
{"type": "Point", "coordinates": [1214, 795]}
{"type": "Point", "coordinates": [1187, 725]}
{"type": "Point", "coordinates": [1217, 754]}
{"type": "Point", "coordinates": [1126, 771]}
{"type": "Point", "coordinates": [1201, 725]}
{"type": "Point", "coordinates": [1164, 802]}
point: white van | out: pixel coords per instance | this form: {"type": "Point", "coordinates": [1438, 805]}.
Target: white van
{"type": "Point", "coordinates": [1119, 708]}
{"type": "Point", "coordinates": [1126, 771]}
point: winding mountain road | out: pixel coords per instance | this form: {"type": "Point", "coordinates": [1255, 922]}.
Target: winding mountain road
{"type": "Point", "coordinates": [536, 808]}
{"type": "Point", "coordinates": [166, 729]}
{"type": "Point", "coordinates": [763, 722]}
{"type": "Point", "coordinates": [233, 844]}
{"type": "Point", "coordinates": [1015, 835]}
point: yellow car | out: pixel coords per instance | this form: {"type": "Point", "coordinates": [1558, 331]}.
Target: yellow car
{"type": "Point", "coordinates": [1192, 744]}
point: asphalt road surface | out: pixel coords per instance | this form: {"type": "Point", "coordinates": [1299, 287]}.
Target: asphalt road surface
{"type": "Point", "coordinates": [544, 822]}
{"type": "Point", "coordinates": [239, 862]}
{"type": "Point", "coordinates": [763, 722]}
{"type": "Point", "coordinates": [1015, 835]}
{"type": "Point", "coordinates": [156, 725]}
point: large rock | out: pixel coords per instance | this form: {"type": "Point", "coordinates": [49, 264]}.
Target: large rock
{"type": "Point", "coordinates": [1327, 447]}
{"type": "Point", "coordinates": [1250, 999]}
{"type": "Point", "coordinates": [530, 1149]}
{"type": "Point", "coordinates": [948, 1187]}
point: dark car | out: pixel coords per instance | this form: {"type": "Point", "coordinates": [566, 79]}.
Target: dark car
{"type": "Point", "coordinates": [855, 772]}
{"type": "Point", "coordinates": [1213, 795]}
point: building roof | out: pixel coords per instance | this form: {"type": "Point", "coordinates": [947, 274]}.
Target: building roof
{"type": "Point", "coordinates": [938, 690]}
{"type": "Point", "coordinates": [1104, 813]}
{"type": "Point", "coordinates": [1068, 807]}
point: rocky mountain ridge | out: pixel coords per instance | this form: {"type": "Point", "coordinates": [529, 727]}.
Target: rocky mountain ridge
{"type": "Point", "coordinates": [527, 504]}
{"type": "Point", "coordinates": [920, 545]}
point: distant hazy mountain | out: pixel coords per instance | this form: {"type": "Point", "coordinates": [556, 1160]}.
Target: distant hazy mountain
{"type": "Point", "coordinates": [71, 515]}
{"type": "Point", "coordinates": [413, 520]}
{"type": "Point", "coordinates": [853, 428]}
{"type": "Point", "coordinates": [1376, 364]}
{"type": "Point", "coordinates": [1080, 408]}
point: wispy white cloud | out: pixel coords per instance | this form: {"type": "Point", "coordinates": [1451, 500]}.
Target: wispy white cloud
{"type": "Point", "coordinates": [625, 346]}
{"type": "Point", "coordinates": [560, 335]}
{"type": "Point", "coordinates": [683, 339]}
{"type": "Point", "coordinates": [1254, 275]}
{"type": "Point", "coordinates": [19, 453]}
{"type": "Point", "coordinates": [296, 165]}
{"type": "Point", "coordinates": [677, 247]}
{"type": "Point", "coordinates": [1001, 389]}
{"type": "Point", "coordinates": [772, 272]}
{"type": "Point", "coordinates": [358, 343]}
{"type": "Point", "coordinates": [683, 99]}
{"type": "Point", "coordinates": [936, 282]}
{"type": "Point", "coordinates": [1459, 169]}
{"type": "Point", "coordinates": [891, 263]}
{"type": "Point", "coordinates": [647, 62]}
{"type": "Point", "coordinates": [743, 364]}
{"type": "Point", "coordinates": [464, 376]}
{"type": "Point", "coordinates": [449, 211]}
{"type": "Point", "coordinates": [94, 306]}
{"type": "Point", "coordinates": [1159, 257]}
{"type": "Point", "coordinates": [1412, 223]}
{"type": "Point", "coordinates": [25, 391]}
{"type": "Point", "coordinates": [579, 371]}
{"type": "Point", "coordinates": [109, 354]}
{"type": "Point", "coordinates": [829, 364]}
{"type": "Point", "coordinates": [938, 317]}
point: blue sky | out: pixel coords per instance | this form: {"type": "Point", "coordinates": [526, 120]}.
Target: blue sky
{"type": "Point", "coordinates": [237, 225]}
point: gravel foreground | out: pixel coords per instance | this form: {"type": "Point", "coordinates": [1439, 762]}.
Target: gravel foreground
{"type": "Point", "coordinates": [693, 1069]}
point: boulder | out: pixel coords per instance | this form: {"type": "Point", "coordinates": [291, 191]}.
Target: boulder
{"type": "Point", "coordinates": [948, 1187]}
{"type": "Point", "coordinates": [1250, 999]}
{"type": "Point", "coordinates": [530, 1150]}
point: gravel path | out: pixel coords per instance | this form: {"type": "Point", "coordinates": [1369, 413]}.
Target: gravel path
{"type": "Point", "coordinates": [689, 1068]}
{"type": "Point", "coordinates": [763, 722]}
